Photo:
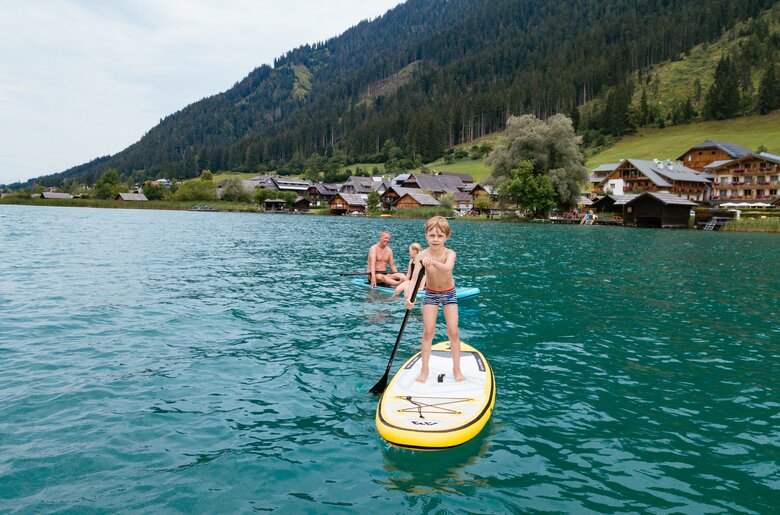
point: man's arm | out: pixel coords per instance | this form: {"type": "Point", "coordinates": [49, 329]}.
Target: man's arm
{"type": "Point", "coordinates": [392, 263]}
{"type": "Point", "coordinates": [372, 265]}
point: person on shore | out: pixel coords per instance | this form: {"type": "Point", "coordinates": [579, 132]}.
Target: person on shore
{"type": "Point", "coordinates": [438, 261]}
{"type": "Point", "coordinates": [414, 249]}
{"type": "Point", "coordinates": [380, 255]}
{"type": "Point", "coordinates": [588, 218]}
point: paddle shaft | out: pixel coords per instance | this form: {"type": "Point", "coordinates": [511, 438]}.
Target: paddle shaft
{"type": "Point", "coordinates": [382, 384]}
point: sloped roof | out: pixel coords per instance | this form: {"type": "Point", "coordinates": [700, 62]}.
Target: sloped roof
{"type": "Point", "coordinates": [623, 199]}
{"type": "Point", "coordinates": [264, 181]}
{"type": "Point", "coordinates": [325, 189]}
{"type": "Point", "coordinates": [732, 149]}
{"type": "Point", "coordinates": [464, 177]}
{"type": "Point", "coordinates": [716, 164]}
{"type": "Point", "coordinates": [766, 156]}
{"type": "Point", "coordinates": [354, 199]}
{"type": "Point", "coordinates": [292, 184]}
{"type": "Point", "coordinates": [401, 191]}
{"type": "Point", "coordinates": [461, 196]}
{"type": "Point", "coordinates": [423, 199]}
{"type": "Point", "coordinates": [663, 173]}
{"type": "Point", "coordinates": [608, 167]}
{"type": "Point", "coordinates": [666, 198]}
{"type": "Point", "coordinates": [52, 195]}
{"type": "Point", "coordinates": [135, 197]}
{"type": "Point", "coordinates": [435, 183]}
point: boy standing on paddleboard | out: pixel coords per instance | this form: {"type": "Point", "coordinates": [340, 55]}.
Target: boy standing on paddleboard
{"type": "Point", "coordinates": [438, 261]}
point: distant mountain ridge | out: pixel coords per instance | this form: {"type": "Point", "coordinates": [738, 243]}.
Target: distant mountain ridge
{"type": "Point", "coordinates": [428, 74]}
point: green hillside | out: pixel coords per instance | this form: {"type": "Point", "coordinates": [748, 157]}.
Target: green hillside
{"type": "Point", "coordinates": [671, 142]}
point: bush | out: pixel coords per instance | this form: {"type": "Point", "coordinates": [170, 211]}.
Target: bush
{"type": "Point", "coordinates": [234, 191]}
{"type": "Point", "coordinates": [196, 190]}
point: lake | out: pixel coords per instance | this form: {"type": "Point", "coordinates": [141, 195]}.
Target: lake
{"type": "Point", "coordinates": [159, 361]}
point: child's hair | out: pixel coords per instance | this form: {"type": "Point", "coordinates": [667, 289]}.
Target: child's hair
{"type": "Point", "coordinates": [415, 247]}
{"type": "Point", "coordinates": [438, 222]}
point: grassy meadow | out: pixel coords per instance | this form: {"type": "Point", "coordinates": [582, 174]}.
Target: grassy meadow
{"type": "Point", "coordinates": [671, 142]}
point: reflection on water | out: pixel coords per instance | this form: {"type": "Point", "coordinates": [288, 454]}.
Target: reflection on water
{"type": "Point", "coordinates": [425, 472]}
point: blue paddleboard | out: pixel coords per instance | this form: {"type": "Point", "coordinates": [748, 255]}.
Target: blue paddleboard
{"type": "Point", "coordinates": [461, 292]}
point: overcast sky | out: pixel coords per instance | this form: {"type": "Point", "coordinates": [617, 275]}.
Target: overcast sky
{"type": "Point", "coordinates": [86, 78]}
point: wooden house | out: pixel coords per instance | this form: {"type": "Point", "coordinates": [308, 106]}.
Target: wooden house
{"type": "Point", "coordinates": [345, 203]}
{"type": "Point", "coordinates": [658, 209]}
{"type": "Point", "coordinates": [301, 204]}
{"type": "Point", "coordinates": [475, 190]}
{"type": "Point", "coordinates": [274, 205]}
{"type": "Point", "coordinates": [414, 200]}
{"type": "Point", "coordinates": [360, 185]}
{"type": "Point", "coordinates": [639, 176]}
{"type": "Point", "coordinates": [131, 197]}
{"type": "Point", "coordinates": [600, 172]}
{"type": "Point", "coordinates": [392, 194]}
{"type": "Point", "coordinates": [750, 177]}
{"type": "Point", "coordinates": [463, 201]}
{"type": "Point", "coordinates": [320, 194]}
{"type": "Point", "coordinates": [698, 157]}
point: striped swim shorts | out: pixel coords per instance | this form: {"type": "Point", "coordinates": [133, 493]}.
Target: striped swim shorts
{"type": "Point", "coordinates": [442, 298]}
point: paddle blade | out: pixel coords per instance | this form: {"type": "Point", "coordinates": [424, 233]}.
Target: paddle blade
{"type": "Point", "coordinates": [379, 388]}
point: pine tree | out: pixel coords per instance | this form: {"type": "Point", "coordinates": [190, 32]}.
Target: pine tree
{"type": "Point", "coordinates": [768, 92]}
{"type": "Point", "coordinates": [722, 100]}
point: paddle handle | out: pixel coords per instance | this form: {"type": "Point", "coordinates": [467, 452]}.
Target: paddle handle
{"type": "Point", "coordinates": [382, 384]}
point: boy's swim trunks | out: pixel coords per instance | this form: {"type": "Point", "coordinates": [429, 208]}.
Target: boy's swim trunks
{"type": "Point", "coordinates": [442, 298]}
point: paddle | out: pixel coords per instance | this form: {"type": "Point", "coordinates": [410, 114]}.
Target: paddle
{"type": "Point", "coordinates": [379, 388]}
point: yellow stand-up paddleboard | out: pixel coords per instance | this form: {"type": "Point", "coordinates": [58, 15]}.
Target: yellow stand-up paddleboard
{"type": "Point", "coordinates": [441, 412]}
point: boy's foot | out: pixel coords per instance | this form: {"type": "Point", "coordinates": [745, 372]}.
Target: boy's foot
{"type": "Point", "coordinates": [459, 376]}
{"type": "Point", "coordinates": [422, 377]}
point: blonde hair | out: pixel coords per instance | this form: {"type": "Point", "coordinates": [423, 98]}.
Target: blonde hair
{"type": "Point", "coordinates": [415, 247]}
{"type": "Point", "coordinates": [438, 222]}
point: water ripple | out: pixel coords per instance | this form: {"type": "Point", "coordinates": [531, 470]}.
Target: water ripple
{"type": "Point", "coordinates": [161, 361]}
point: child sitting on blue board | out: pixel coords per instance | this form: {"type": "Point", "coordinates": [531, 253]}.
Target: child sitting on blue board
{"type": "Point", "coordinates": [414, 249]}
{"type": "Point", "coordinates": [438, 261]}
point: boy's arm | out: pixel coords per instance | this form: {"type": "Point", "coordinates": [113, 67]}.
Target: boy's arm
{"type": "Point", "coordinates": [412, 282]}
{"type": "Point", "coordinates": [446, 266]}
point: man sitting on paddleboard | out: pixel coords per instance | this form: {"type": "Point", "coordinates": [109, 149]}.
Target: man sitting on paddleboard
{"type": "Point", "coordinates": [379, 256]}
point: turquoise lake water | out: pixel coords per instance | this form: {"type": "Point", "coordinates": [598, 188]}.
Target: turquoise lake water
{"type": "Point", "coordinates": [155, 361]}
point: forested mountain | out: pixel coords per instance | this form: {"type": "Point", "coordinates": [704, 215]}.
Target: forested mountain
{"type": "Point", "coordinates": [427, 75]}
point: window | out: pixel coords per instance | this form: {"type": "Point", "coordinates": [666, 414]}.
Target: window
{"type": "Point", "coordinates": [748, 193]}
{"type": "Point", "coordinates": [723, 193]}
{"type": "Point", "coordinates": [773, 193]}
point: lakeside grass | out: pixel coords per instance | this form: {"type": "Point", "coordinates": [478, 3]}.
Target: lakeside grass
{"type": "Point", "coordinates": [771, 225]}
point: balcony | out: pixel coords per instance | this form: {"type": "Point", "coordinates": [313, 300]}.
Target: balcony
{"type": "Point", "coordinates": [762, 183]}
{"type": "Point", "coordinates": [737, 183]}
{"type": "Point", "coordinates": [738, 170]}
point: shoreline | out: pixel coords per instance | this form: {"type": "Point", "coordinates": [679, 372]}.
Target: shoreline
{"type": "Point", "coordinates": [744, 226]}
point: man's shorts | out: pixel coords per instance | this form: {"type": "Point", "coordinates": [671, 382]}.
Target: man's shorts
{"type": "Point", "coordinates": [440, 298]}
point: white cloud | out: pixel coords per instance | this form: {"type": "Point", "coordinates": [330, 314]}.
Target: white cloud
{"type": "Point", "coordinates": [81, 79]}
